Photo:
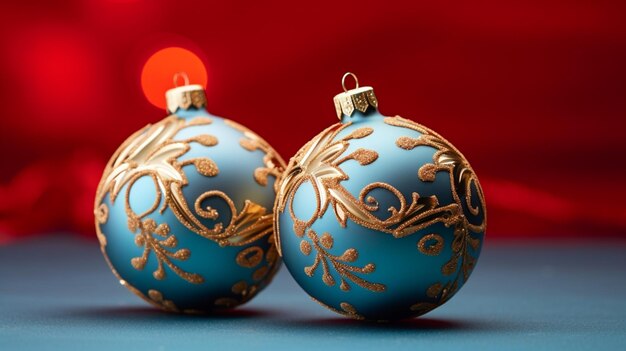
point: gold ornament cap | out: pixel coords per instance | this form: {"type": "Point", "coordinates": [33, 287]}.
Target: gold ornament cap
{"type": "Point", "coordinates": [184, 96]}
{"type": "Point", "coordinates": [357, 99]}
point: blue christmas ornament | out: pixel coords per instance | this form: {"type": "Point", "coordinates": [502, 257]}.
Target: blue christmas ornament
{"type": "Point", "coordinates": [378, 217]}
{"type": "Point", "coordinates": [183, 210]}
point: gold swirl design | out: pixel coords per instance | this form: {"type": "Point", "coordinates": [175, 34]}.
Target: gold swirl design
{"type": "Point", "coordinates": [102, 216]}
{"type": "Point", "coordinates": [250, 257]}
{"type": "Point", "coordinates": [252, 223]}
{"type": "Point", "coordinates": [427, 247]}
{"type": "Point", "coordinates": [154, 153]}
{"type": "Point", "coordinates": [102, 213]}
{"type": "Point", "coordinates": [463, 182]}
{"type": "Point", "coordinates": [319, 163]}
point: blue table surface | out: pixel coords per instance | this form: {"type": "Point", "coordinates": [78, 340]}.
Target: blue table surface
{"type": "Point", "coordinates": [56, 292]}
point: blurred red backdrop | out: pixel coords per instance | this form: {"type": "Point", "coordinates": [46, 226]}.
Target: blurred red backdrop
{"type": "Point", "coordinates": [533, 92]}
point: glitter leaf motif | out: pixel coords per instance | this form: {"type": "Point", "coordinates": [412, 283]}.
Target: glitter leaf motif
{"type": "Point", "coordinates": [340, 264]}
{"type": "Point", "coordinates": [158, 239]}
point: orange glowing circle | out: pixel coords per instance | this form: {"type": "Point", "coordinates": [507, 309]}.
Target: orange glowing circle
{"type": "Point", "coordinates": [158, 72]}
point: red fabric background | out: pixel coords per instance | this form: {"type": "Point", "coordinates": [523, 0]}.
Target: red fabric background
{"type": "Point", "coordinates": [533, 92]}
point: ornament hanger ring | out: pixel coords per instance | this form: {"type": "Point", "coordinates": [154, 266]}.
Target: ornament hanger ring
{"type": "Point", "coordinates": [343, 80]}
{"type": "Point", "coordinates": [182, 75]}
